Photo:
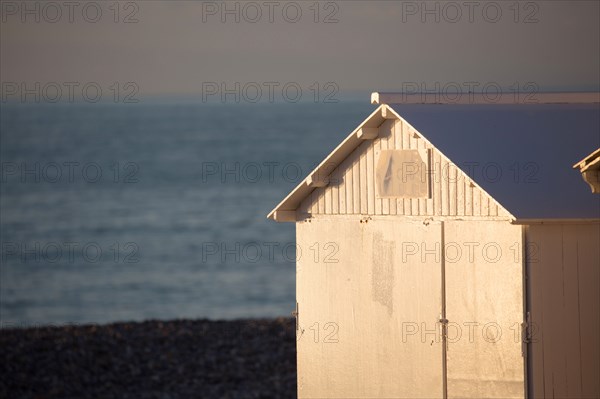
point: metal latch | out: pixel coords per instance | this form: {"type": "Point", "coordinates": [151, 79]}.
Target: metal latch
{"type": "Point", "coordinates": [444, 327]}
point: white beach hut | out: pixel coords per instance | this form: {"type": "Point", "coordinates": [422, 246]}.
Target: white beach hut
{"type": "Point", "coordinates": [421, 279]}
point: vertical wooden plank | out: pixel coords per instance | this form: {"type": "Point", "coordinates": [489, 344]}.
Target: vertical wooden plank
{"type": "Point", "coordinates": [589, 275]}
{"type": "Point", "coordinates": [503, 212]}
{"type": "Point", "coordinates": [563, 279]}
{"type": "Point", "coordinates": [327, 198]}
{"type": "Point", "coordinates": [304, 205]}
{"type": "Point", "coordinates": [362, 180]}
{"type": "Point", "coordinates": [572, 343]}
{"type": "Point", "coordinates": [423, 201]}
{"type": "Point", "coordinates": [347, 194]}
{"type": "Point", "coordinates": [468, 197]}
{"type": "Point", "coordinates": [418, 143]}
{"type": "Point", "coordinates": [315, 201]}
{"type": "Point", "coordinates": [378, 202]}
{"type": "Point", "coordinates": [391, 145]}
{"type": "Point", "coordinates": [476, 201]}
{"type": "Point", "coordinates": [414, 144]}
{"type": "Point", "coordinates": [388, 127]}
{"type": "Point", "coordinates": [407, 143]}
{"type": "Point", "coordinates": [430, 176]}
{"type": "Point", "coordinates": [399, 135]}
{"type": "Point", "coordinates": [437, 182]}
{"type": "Point", "coordinates": [370, 180]}
{"type": "Point", "coordinates": [341, 176]}
{"type": "Point", "coordinates": [400, 145]}
{"type": "Point", "coordinates": [445, 177]}
{"type": "Point", "coordinates": [452, 195]}
{"type": "Point", "coordinates": [321, 199]}
{"type": "Point", "coordinates": [357, 187]}
{"type": "Point", "coordinates": [485, 205]}
{"type": "Point", "coordinates": [535, 272]}
{"type": "Point", "coordinates": [335, 189]}
{"type": "Point", "coordinates": [547, 256]}
{"type": "Point", "coordinates": [551, 256]}
{"type": "Point", "coordinates": [460, 193]}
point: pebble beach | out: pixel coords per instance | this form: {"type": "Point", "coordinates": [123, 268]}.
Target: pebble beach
{"type": "Point", "coordinates": [253, 358]}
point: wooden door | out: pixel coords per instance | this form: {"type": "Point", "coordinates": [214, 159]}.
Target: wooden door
{"type": "Point", "coordinates": [369, 299]}
{"type": "Point", "coordinates": [484, 308]}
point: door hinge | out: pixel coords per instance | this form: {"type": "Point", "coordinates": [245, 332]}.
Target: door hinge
{"type": "Point", "coordinates": [526, 330]}
{"type": "Point", "coordinates": [526, 334]}
{"type": "Point", "coordinates": [296, 316]}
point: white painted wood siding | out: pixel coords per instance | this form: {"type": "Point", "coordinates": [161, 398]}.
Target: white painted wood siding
{"type": "Point", "coordinates": [362, 310]}
{"type": "Point", "coordinates": [564, 264]}
{"type": "Point", "coordinates": [484, 307]}
{"type": "Point", "coordinates": [352, 191]}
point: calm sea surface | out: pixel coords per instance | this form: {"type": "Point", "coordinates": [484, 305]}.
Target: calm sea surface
{"type": "Point", "coordinates": [139, 211]}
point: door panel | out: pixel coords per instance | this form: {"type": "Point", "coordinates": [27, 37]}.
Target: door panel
{"type": "Point", "coordinates": [368, 315]}
{"type": "Point", "coordinates": [484, 307]}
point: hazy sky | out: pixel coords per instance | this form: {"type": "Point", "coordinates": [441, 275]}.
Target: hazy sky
{"type": "Point", "coordinates": [176, 46]}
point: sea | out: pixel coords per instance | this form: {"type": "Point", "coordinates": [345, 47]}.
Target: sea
{"type": "Point", "coordinates": [155, 210]}
{"type": "Point", "coordinates": [158, 210]}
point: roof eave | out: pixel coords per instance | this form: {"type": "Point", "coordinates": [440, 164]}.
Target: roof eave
{"type": "Point", "coordinates": [590, 170]}
{"type": "Point", "coordinates": [591, 161]}
{"type": "Point", "coordinates": [319, 177]}
{"type": "Point", "coordinates": [527, 221]}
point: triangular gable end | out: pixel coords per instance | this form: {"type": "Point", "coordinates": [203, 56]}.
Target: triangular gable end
{"type": "Point", "coordinates": [345, 182]}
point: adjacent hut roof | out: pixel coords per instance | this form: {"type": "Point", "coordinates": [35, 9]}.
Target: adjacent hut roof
{"type": "Point", "coordinates": [590, 170]}
{"type": "Point", "coordinates": [521, 155]}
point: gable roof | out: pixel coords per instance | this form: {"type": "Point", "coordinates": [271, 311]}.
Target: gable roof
{"type": "Point", "coordinates": [532, 147]}
{"type": "Point", "coordinates": [354, 147]}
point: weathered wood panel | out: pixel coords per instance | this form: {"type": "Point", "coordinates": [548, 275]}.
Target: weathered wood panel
{"type": "Point", "coordinates": [484, 308]}
{"type": "Point", "coordinates": [367, 310]}
{"type": "Point", "coordinates": [563, 284]}
{"type": "Point", "coordinates": [352, 189]}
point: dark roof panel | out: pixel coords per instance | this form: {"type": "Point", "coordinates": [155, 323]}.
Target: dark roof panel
{"type": "Point", "coordinates": [522, 155]}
